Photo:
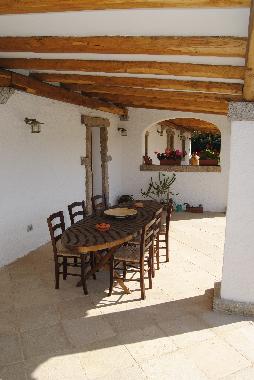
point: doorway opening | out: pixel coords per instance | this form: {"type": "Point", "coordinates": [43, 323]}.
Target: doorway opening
{"type": "Point", "coordinates": [96, 162]}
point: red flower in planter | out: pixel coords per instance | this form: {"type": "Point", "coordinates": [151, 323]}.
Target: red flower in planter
{"type": "Point", "coordinates": [170, 154]}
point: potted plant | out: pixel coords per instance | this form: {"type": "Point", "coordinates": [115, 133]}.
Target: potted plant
{"type": "Point", "coordinates": [160, 190]}
{"type": "Point", "coordinates": [126, 198]}
{"type": "Point", "coordinates": [170, 157]}
{"type": "Point", "coordinates": [208, 157]}
{"type": "Point", "coordinates": [147, 160]}
{"type": "Point", "coordinates": [195, 209]}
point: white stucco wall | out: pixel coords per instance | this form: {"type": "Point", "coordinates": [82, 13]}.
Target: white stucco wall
{"type": "Point", "coordinates": [40, 173]}
{"type": "Point", "coordinates": [209, 189]}
{"type": "Point", "coordinates": [238, 267]}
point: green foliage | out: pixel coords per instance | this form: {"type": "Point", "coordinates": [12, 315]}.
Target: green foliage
{"type": "Point", "coordinates": [208, 154]}
{"type": "Point", "coordinates": [203, 141]}
{"type": "Point", "coordinates": [160, 190]}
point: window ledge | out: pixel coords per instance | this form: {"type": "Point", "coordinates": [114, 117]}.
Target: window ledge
{"type": "Point", "coordinates": [180, 168]}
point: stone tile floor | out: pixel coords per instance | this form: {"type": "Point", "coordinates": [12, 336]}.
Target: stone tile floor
{"type": "Point", "coordinates": [173, 334]}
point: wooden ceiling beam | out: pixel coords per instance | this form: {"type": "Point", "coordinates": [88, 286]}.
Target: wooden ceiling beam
{"type": "Point", "coordinates": [248, 90]}
{"type": "Point", "coordinates": [191, 124]}
{"type": "Point", "coordinates": [159, 45]}
{"type": "Point", "coordinates": [150, 93]}
{"type": "Point", "coordinates": [35, 87]}
{"type": "Point", "coordinates": [130, 67]}
{"type": "Point", "coordinates": [31, 6]}
{"type": "Point", "coordinates": [185, 105]}
{"type": "Point", "coordinates": [170, 84]}
{"type": "Point", "coordinates": [179, 124]}
{"type": "Point", "coordinates": [5, 78]}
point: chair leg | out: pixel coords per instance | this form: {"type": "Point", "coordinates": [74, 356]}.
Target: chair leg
{"type": "Point", "coordinates": [153, 270]}
{"type": "Point", "coordinates": [111, 284]}
{"type": "Point", "coordinates": [75, 261]}
{"type": "Point", "coordinates": [64, 268]}
{"type": "Point", "coordinates": [167, 249]}
{"type": "Point", "coordinates": [158, 253]}
{"type": "Point", "coordinates": [124, 270]}
{"type": "Point", "coordinates": [93, 263]}
{"type": "Point", "coordinates": [56, 274]}
{"type": "Point", "coordinates": [142, 280]}
{"type": "Point", "coordinates": [83, 278]}
{"type": "Point", "coordinates": [150, 271]}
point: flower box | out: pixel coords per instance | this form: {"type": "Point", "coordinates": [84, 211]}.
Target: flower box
{"type": "Point", "coordinates": [170, 161]}
{"type": "Point", "coordinates": [208, 162]}
{"type": "Point", "coordinates": [170, 157]}
{"type": "Point", "coordinates": [194, 209]}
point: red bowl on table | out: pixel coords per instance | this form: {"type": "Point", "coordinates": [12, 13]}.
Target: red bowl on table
{"type": "Point", "coordinates": [103, 227]}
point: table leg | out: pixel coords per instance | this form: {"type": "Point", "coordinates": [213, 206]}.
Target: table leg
{"type": "Point", "coordinates": [120, 281]}
{"type": "Point", "coordinates": [96, 267]}
{"type": "Point", "coordinates": [104, 262]}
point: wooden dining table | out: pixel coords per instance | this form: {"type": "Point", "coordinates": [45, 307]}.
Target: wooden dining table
{"type": "Point", "coordinates": [83, 237]}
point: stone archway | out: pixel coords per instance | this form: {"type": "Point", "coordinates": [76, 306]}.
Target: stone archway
{"type": "Point", "coordinates": [102, 123]}
{"type": "Point", "coordinates": [177, 134]}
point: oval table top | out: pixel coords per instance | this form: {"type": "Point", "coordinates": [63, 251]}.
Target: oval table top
{"type": "Point", "coordinates": [83, 236]}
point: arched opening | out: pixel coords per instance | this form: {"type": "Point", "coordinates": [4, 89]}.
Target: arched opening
{"type": "Point", "coordinates": [175, 141]}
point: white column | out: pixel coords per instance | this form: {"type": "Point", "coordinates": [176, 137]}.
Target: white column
{"type": "Point", "coordinates": [238, 268]}
{"type": "Point", "coordinates": [188, 149]}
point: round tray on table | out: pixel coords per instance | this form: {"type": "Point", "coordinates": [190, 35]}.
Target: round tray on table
{"type": "Point", "coordinates": [120, 212]}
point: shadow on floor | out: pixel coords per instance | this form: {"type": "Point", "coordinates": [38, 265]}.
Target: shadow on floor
{"type": "Point", "coordinates": [160, 328]}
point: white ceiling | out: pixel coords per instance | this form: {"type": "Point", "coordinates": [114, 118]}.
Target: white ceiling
{"type": "Point", "coordinates": [182, 22]}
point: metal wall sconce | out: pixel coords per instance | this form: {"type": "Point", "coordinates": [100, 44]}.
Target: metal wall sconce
{"type": "Point", "coordinates": [34, 124]}
{"type": "Point", "coordinates": [123, 131]}
{"type": "Point", "coordinates": [160, 131]}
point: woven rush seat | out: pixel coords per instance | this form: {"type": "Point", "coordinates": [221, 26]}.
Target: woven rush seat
{"type": "Point", "coordinates": [62, 251]}
{"type": "Point", "coordinates": [129, 252]}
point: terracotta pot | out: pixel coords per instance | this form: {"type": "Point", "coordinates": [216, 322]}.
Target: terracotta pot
{"type": "Point", "coordinates": [147, 160]}
{"type": "Point", "coordinates": [171, 161]}
{"type": "Point", "coordinates": [208, 162]}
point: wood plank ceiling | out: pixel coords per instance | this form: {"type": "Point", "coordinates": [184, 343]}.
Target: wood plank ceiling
{"type": "Point", "coordinates": [211, 88]}
{"type": "Point", "coordinates": [31, 6]}
{"type": "Point", "coordinates": [189, 125]}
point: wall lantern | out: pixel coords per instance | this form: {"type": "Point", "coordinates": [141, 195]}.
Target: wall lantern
{"type": "Point", "coordinates": [34, 124]}
{"type": "Point", "coordinates": [160, 131]}
{"type": "Point", "coordinates": [123, 131]}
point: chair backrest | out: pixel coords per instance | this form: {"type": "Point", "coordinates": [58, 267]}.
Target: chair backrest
{"type": "Point", "coordinates": [157, 225]}
{"type": "Point", "coordinates": [99, 203]}
{"type": "Point", "coordinates": [81, 211]}
{"type": "Point", "coordinates": [56, 227]}
{"type": "Point", "coordinates": [168, 215]}
{"type": "Point", "coordinates": [147, 238]}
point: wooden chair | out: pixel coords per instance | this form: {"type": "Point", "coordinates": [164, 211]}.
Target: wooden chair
{"type": "Point", "coordinates": [157, 228]}
{"type": "Point", "coordinates": [164, 231]}
{"type": "Point", "coordinates": [99, 203]}
{"type": "Point", "coordinates": [62, 255]}
{"type": "Point", "coordinates": [80, 212]}
{"type": "Point", "coordinates": [135, 256]}
{"type": "Point", "coordinates": [74, 214]}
